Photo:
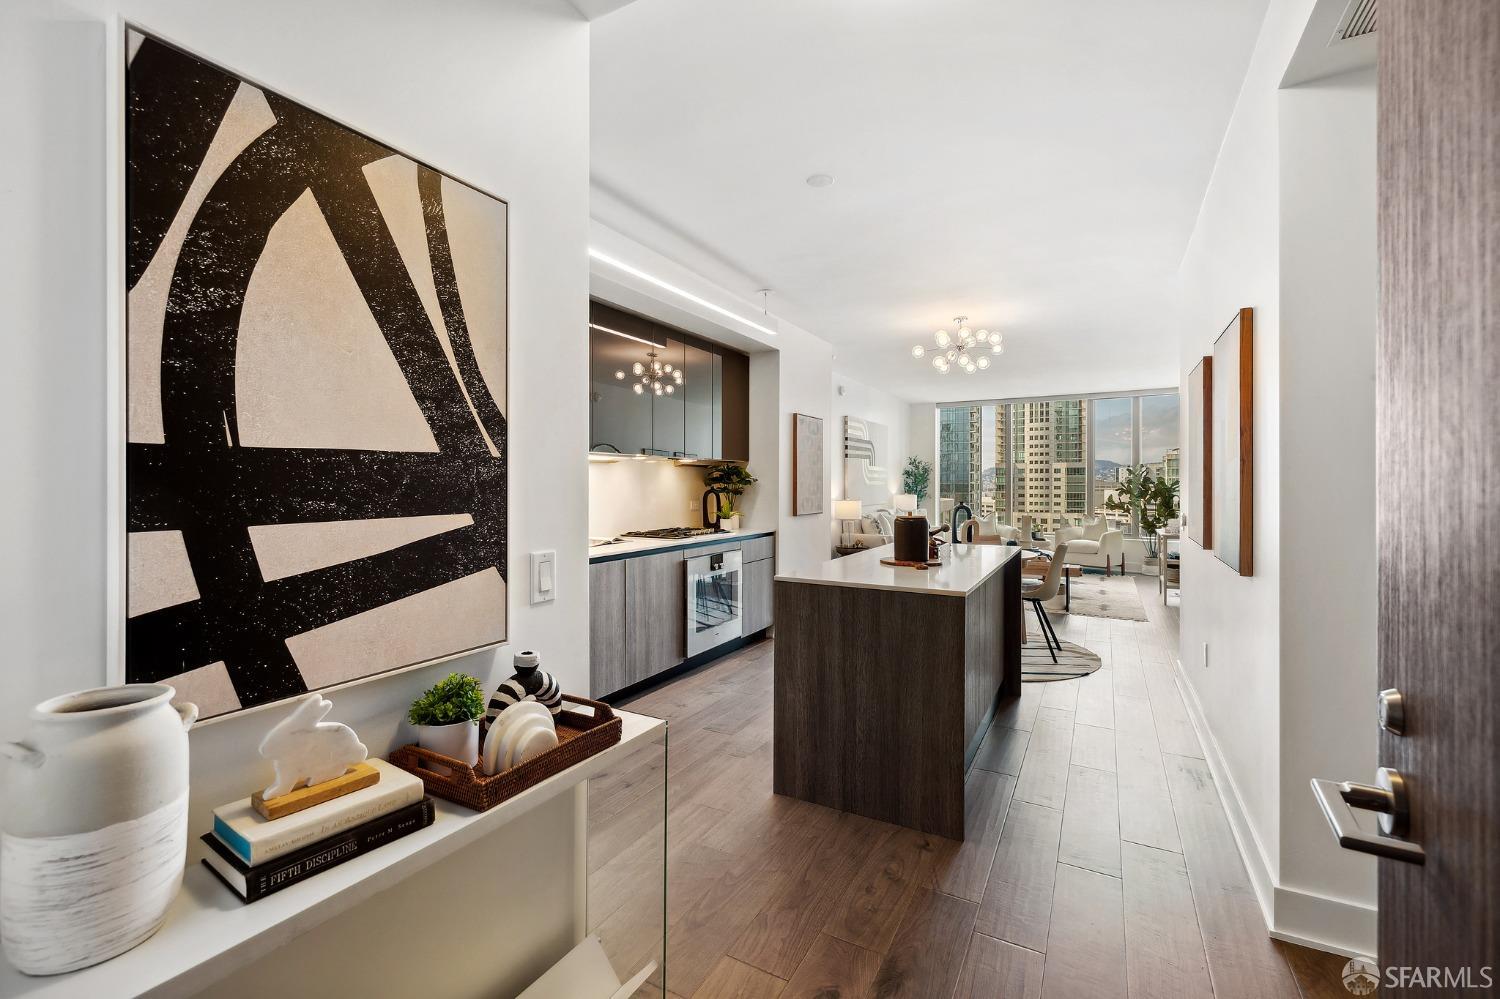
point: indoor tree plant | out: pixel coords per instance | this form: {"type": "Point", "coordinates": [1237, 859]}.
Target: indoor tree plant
{"type": "Point", "coordinates": [728, 482]}
{"type": "Point", "coordinates": [447, 715]}
{"type": "Point", "coordinates": [1150, 501]}
{"type": "Point", "coordinates": [916, 477]}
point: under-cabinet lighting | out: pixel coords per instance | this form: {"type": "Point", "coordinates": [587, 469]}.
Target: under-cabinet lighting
{"type": "Point", "coordinates": [665, 286]}
{"type": "Point", "coordinates": [637, 339]}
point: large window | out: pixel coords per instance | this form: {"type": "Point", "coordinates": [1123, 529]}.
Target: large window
{"type": "Point", "coordinates": [1055, 461]}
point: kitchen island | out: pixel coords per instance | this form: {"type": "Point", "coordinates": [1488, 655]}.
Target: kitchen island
{"type": "Point", "coordinates": [886, 680]}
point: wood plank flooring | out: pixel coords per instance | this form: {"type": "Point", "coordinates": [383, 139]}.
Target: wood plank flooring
{"type": "Point", "coordinates": [1097, 860]}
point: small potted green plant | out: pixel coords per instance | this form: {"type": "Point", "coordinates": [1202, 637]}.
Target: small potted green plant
{"type": "Point", "coordinates": [447, 715]}
{"type": "Point", "coordinates": [916, 477]}
{"type": "Point", "coordinates": [729, 481]}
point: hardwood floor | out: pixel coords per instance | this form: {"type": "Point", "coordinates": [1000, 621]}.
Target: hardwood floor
{"type": "Point", "coordinates": [1097, 859]}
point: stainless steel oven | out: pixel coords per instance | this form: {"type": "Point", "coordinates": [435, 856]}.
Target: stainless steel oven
{"type": "Point", "coordinates": [715, 598]}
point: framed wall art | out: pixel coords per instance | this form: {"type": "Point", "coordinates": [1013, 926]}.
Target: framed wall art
{"type": "Point", "coordinates": [1200, 453]}
{"type": "Point", "coordinates": [316, 437]}
{"type": "Point", "coordinates": [1232, 403]}
{"type": "Point", "coordinates": [867, 473]}
{"type": "Point", "coordinates": [807, 465]}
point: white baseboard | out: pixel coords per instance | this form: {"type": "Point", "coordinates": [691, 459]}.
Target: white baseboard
{"type": "Point", "coordinates": [1335, 925]}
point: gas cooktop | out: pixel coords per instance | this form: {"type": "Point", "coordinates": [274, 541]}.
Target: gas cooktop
{"type": "Point", "coordinates": [672, 533]}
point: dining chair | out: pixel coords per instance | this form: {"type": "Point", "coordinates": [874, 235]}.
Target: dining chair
{"type": "Point", "coordinates": [1045, 589]}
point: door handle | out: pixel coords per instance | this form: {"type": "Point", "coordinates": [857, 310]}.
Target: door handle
{"type": "Point", "coordinates": [1389, 799]}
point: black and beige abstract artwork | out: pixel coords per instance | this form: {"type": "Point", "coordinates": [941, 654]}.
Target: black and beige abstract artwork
{"type": "Point", "coordinates": [316, 395]}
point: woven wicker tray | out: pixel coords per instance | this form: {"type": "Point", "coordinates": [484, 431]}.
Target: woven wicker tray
{"type": "Point", "coordinates": [579, 736]}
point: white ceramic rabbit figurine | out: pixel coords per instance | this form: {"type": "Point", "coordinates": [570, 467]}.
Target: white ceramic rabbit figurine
{"type": "Point", "coordinates": [305, 747]}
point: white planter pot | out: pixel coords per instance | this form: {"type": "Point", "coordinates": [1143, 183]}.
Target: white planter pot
{"type": "Point", "coordinates": [459, 741]}
{"type": "Point", "coordinates": [731, 523]}
{"type": "Point", "coordinates": [95, 832]}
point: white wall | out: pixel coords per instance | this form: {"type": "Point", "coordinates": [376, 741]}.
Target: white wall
{"type": "Point", "coordinates": [1277, 234]}
{"type": "Point", "coordinates": [494, 93]}
{"type": "Point", "coordinates": [864, 402]}
{"type": "Point", "coordinates": [1329, 606]}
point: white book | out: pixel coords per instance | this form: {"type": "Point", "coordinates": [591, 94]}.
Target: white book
{"type": "Point", "coordinates": [256, 840]}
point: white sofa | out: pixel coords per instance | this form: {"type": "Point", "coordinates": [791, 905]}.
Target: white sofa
{"type": "Point", "coordinates": [877, 527]}
{"type": "Point", "coordinates": [1095, 545]}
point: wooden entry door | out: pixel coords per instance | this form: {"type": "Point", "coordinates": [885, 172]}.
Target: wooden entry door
{"type": "Point", "coordinates": [1438, 502]}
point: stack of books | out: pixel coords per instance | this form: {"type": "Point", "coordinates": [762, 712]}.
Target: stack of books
{"type": "Point", "coordinates": [256, 857]}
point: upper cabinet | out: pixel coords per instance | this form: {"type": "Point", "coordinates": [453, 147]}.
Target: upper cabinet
{"type": "Point", "coordinates": [705, 415]}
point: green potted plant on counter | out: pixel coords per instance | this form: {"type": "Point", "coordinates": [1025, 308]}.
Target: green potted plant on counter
{"type": "Point", "coordinates": [447, 715]}
{"type": "Point", "coordinates": [728, 482]}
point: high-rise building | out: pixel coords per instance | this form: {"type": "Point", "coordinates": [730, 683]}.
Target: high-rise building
{"type": "Point", "coordinates": [960, 461]}
{"type": "Point", "coordinates": [1049, 448]}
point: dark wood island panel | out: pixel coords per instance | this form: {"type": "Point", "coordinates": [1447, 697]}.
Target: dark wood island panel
{"type": "Point", "coordinates": [882, 696]}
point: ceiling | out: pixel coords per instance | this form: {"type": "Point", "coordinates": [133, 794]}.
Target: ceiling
{"type": "Point", "coordinates": [1034, 166]}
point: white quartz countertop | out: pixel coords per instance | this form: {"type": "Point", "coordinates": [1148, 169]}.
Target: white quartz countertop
{"type": "Point", "coordinates": [642, 546]}
{"type": "Point", "coordinates": [964, 567]}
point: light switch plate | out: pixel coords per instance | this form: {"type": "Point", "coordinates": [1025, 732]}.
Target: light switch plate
{"type": "Point", "coordinates": [543, 577]}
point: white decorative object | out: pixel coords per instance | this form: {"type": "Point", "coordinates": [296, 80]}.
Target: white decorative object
{"type": "Point", "coordinates": [304, 747]}
{"type": "Point", "coordinates": [95, 835]}
{"type": "Point", "coordinates": [732, 523]}
{"type": "Point", "coordinates": [520, 732]}
{"type": "Point", "coordinates": [459, 741]}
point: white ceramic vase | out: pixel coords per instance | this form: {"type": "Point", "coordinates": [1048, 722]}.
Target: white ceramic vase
{"type": "Point", "coordinates": [95, 835]}
{"type": "Point", "coordinates": [459, 740]}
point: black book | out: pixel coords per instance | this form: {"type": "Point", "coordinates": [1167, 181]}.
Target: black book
{"type": "Point", "coordinates": [252, 883]}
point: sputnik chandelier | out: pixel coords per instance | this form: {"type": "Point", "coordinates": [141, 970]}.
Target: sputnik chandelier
{"type": "Point", "coordinates": [965, 349]}
{"type": "Point", "coordinates": [653, 376]}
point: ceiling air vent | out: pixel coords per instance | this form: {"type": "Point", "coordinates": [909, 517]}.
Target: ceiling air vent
{"type": "Point", "coordinates": [1358, 19]}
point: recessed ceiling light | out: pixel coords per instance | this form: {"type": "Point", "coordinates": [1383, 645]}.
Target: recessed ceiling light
{"type": "Point", "coordinates": [820, 180]}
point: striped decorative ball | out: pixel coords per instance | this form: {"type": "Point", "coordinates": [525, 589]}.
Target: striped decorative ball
{"type": "Point", "coordinates": [530, 683]}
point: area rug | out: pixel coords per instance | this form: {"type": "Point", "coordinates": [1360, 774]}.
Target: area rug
{"type": "Point", "coordinates": [1107, 596]}
{"type": "Point", "coordinates": [1072, 662]}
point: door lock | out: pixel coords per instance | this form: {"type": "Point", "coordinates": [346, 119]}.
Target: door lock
{"type": "Point", "coordinates": [1393, 711]}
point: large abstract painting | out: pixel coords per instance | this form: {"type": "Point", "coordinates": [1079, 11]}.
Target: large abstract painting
{"type": "Point", "coordinates": [316, 395]}
{"type": "Point", "coordinates": [867, 473]}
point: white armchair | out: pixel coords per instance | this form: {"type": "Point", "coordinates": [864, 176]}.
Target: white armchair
{"type": "Point", "coordinates": [1095, 544]}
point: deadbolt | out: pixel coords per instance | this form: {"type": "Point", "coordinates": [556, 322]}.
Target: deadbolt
{"type": "Point", "coordinates": [1393, 711]}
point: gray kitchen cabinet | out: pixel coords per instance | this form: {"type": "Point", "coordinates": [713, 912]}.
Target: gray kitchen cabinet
{"type": "Point", "coordinates": [668, 429]}
{"type": "Point", "coordinates": [655, 614]}
{"type": "Point", "coordinates": [699, 396]}
{"type": "Point", "coordinates": [620, 419]}
{"type": "Point", "coordinates": [760, 582]}
{"type": "Point", "coordinates": [607, 659]}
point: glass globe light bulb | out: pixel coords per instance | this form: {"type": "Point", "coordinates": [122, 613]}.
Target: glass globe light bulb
{"type": "Point", "coordinates": [996, 347]}
{"type": "Point", "coordinates": [620, 375]}
{"type": "Point", "coordinates": [952, 354]}
{"type": "Point", "coordinates": [983, 336]}
{"type": "Point", "coordinates": [964, 332]}
{"type": "Point", "coordinates": [983, 362]}
{"type": "Point", "coordinates": [918, 351]}
{"type": "Point", "coordinates": [639, 388]}
{"type": "Point", "coordinates": [937, 361]}
{"type": "Point", "coordinates": [943, 370]}
{"type": "Point", "coordinates": [677, 376]}
{"type": "Point", "coordinates": [638, 368]}
{"type": "Point", "coordinates": [669, 388]}
{"type": "Point", "coordinates": [942, 337]}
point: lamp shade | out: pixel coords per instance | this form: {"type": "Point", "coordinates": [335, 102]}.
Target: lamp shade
{"type": "Point", "coordinates": [905, 502]}
{"type": "Point", "coordinates": [848, 509]}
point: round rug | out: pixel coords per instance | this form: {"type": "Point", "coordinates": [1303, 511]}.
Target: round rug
{"type": "Point", "coordinates": [1037, 666]}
